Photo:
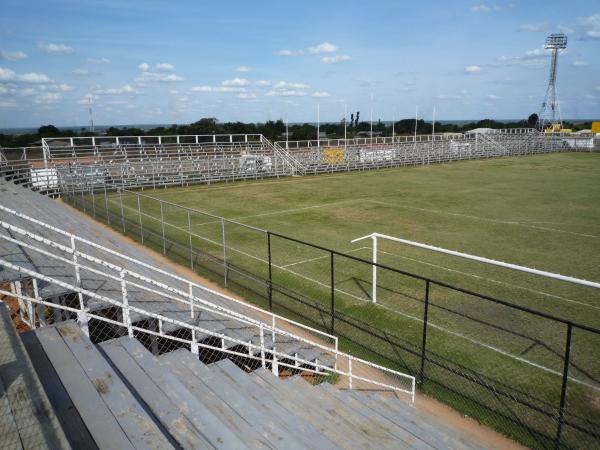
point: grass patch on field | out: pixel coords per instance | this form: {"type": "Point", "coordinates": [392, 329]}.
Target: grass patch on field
{"type": "Point", "coordinates": [539, 211]}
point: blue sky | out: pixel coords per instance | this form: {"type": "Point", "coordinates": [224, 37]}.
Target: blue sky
{"type": "Point", "coordinates": [175, 62]}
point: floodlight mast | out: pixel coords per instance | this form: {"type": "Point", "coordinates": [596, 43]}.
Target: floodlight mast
{"type": "Point", "coordinates": [549, 115]}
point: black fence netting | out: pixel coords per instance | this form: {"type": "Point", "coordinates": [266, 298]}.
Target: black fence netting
{"type": "Point", "coordinates": [531, 376]}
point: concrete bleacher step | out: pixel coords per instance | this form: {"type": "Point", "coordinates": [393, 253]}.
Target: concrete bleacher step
{"type": "Point", "coordinates": [430, 425]}
{"type": "Point", "coordinates": [26, 416]}
{"type": "Point", "coordinates": [261, 412]}
{"type": "Point", "coordinates": [375, 426]}
{"type": "Point", "coordinates": [227, 414]}
{"type": "Point", "coordinates": [188, 420]}
{"type": "Point", "coordinates": [240, 417]}
{"type": "Point", "coordinates": [283, 416]}
{"type": "Point", "coordinates": [111, 413]}
{"type": "Point", "coordinates": [320, 415]}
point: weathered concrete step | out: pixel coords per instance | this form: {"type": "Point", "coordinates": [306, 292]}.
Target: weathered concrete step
{"type": "Point", "coordinates": [305, 406]}
{"type": "Point", "coordinates": [239, 422]}
{"type": "Point", "coordinates": [110, 412]}
{"type": "Point", "coordinates": [190, 422]}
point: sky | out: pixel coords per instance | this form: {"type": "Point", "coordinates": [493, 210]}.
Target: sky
{"type": "Point", "coordinates": [163, 62]}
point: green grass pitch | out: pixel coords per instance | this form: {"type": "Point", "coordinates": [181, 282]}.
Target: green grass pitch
{"type": "Point", "coordinates": [538, 211]}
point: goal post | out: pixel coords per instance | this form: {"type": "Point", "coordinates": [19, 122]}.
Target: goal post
{"type": "Point", "coordinates": [375, 236]}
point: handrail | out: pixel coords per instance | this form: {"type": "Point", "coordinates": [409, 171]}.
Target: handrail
{"type": "Point", "coordinates": [127, 322]}
{"type": "Point", "coordinates": [166, 273]}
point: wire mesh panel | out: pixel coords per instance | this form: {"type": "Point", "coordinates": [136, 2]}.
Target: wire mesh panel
{"type": "Point", "coordinates": [580, 424]}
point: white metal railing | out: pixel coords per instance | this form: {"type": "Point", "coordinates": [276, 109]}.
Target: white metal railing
{"type": "Point", "coordinates": [273, 318]}
{"type": "Point", "coordinates": [257, 352]}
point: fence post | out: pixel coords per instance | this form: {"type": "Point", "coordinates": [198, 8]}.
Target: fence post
{"type": "Point", "coordinates": [141, 223]}
{"type": "Point", "coordinates": [191, 296]}
{"type": "Point", "coordinates": [270, 272]}
{"type": "Point", "coordinates": [224, 252]}
{"type": "Point", "coordinates": [424, 343]}
{"type": "Point", "coordinates": [106, 205]}
{"type": "Point", "coordinates": [262, 346]}
{"type": "Point", "coordinates": [81, 316]}
{"type": "Point", "coordinates": [122, 212]}
{"type": "Point", "coordinates": [162, 227]}
{"type": "Point", "coordinates": [190, 239]}
{"type": "Point", "coordinates": [565, 381]}
{"type": "Point", "coordinates": [332, 293]}
{"type": "Point", "coordinates": [93, 202]}
{"type": "Point", "coordinates": [126, 317]}
{"type": "Point", "coordinates": [349, 372]}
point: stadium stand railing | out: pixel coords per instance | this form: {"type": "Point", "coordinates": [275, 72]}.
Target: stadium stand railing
{"type": "Point", "coordinates": [99, 295]}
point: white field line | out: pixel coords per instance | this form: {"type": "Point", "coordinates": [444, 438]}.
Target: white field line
{"type": "Point", "coordinates": [486, 219]}
{"type": "Point", "coordinates": [275, 213]}
{"type": "Point", "coordinates": [319, 257]}
{"type": "Point", "coordinates": [491, 280]}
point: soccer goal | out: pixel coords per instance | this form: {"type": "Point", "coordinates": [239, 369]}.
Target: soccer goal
{"type": "Point", "coordinates": [376, 236]}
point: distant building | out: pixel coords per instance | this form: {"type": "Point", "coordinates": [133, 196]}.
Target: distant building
{"type": "Point", "coordinates": [481, 131]}
{"type": "Point", "coordinates": [369, 134]}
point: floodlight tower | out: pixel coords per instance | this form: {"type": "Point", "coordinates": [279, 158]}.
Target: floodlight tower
{"type": "Point", "coordinates": [549, 115]}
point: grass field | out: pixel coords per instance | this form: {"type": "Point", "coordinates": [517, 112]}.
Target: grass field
{"type": "Point", "coordinates": [539, 211]}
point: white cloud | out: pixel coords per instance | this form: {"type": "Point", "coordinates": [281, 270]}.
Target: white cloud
{"type": "Point", "coordinates": [48, 98]}
{"type": "Point", "coordinates": [335, 59]}
{"type": "Point", "coordinates": [319, 94]}
{"type": "Point", "coordinates": [174, 92]}
{"type": "Point", "coordinates": [492, 97]}
{"type": "Point", "coordinates": [125, 89]}
{"type": "Point", "coordinates": [263, 83]}
{"type": "Point", "coordinates": [218, 89]}
{"type": "Point", "coordinates": [87, 99]}
{"type": "Point", "coordinates": [532, 58]}
{"type": "Point", "coordinates": [12, 56]}
{"type": "Point", "coordinates": [154, 76]}
{"type": "Point", "coordinates": [99, 60]}
{"type": "Point", "coordinates": [32, 77]}
{"type": "Point", "coordinates": [7, 104]}
{"type": "Point", "coordinates": [56, 87]}
{"type": "Point", "coordinates": [59, 49]}
{"type": "Point", "coordinates": [243, 69]}
{"type": "Point", "coordinates": [81, 72]}
{"type": "Point", "coordinates": [286, 52]}
{"type": "Point", "coordinates": [325, 47]}
{"type": "Point", "coordinates": [481, 8]}
{"type": "Point", "coordinates": [287, 85]}
{"type": "Point", "coordinates": [165, 67]}
{"type": "Point", "coordinates": [591, 26]}
{"type": "Point", "coordinates": [472, 69]}
{"type": "Point", "coordinates": [12, 90]}
{"type": "Point", "coordinates": [286, 93]}
{"type": "Point", "coordinates": [579, 63]}
{"type": "Point", "coordinates": [235, 82]}
{"type": "Point", "coordinates": [246, 96]}
{"type": "Point", "coordinates": [533, 28]}
{"type": "Point", "coordinates": [157, 73]}
{"type": "Point", "coordinates": [565, 29]}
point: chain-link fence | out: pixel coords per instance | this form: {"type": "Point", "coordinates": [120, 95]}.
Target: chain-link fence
{"type": "Point", "coordinates": [528, 374]}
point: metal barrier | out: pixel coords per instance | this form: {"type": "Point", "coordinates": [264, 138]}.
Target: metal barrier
{"type": "Point", "coordinates": [499, 394]}
{"type": "Point", "coordinates": [90, 309]}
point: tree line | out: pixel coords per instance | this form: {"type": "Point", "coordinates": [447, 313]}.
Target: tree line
{"type": "Point", "coordinates": [275, 130]}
